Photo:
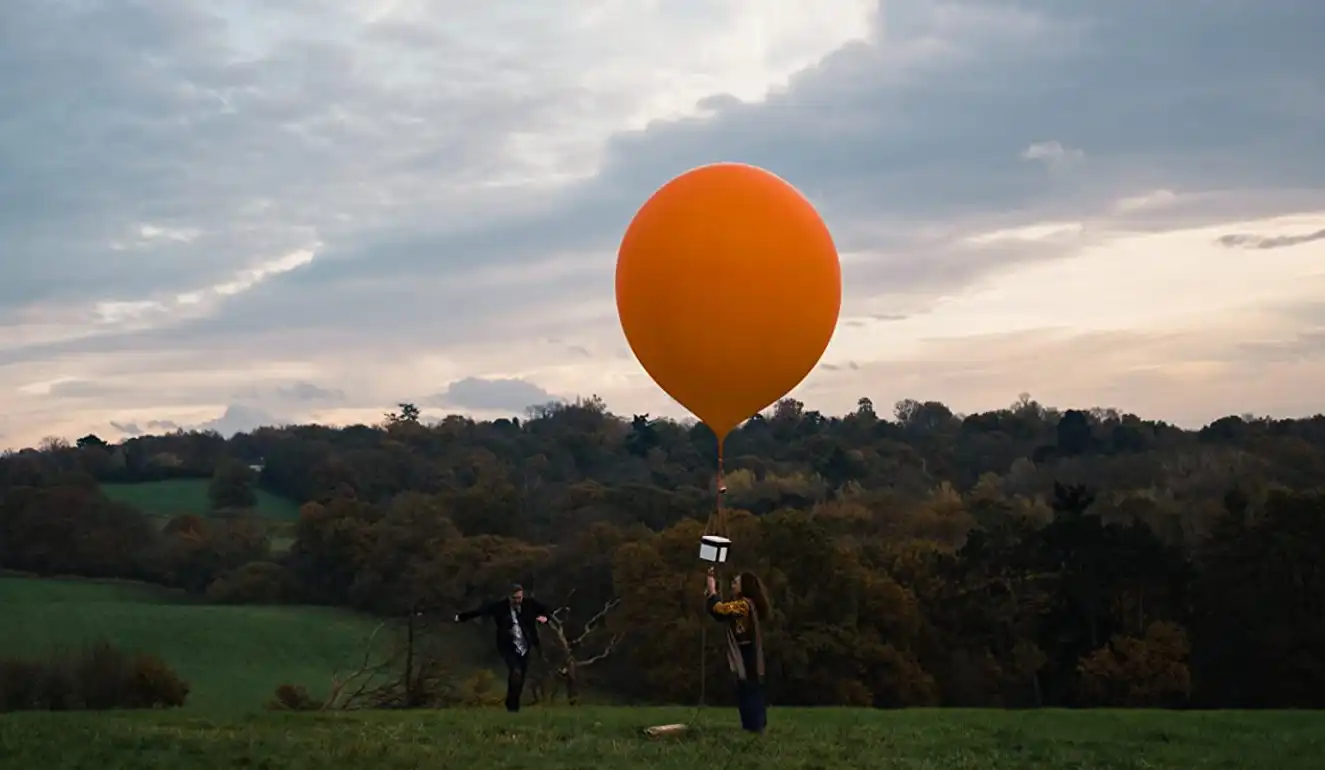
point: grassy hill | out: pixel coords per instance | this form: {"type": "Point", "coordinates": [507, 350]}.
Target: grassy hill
{"type": "Point", "coordinates": [179, 496]}
{"type": "Point", "coordinates": [572, 739]}
{"type": "Point", "coordinates": [234, 657]}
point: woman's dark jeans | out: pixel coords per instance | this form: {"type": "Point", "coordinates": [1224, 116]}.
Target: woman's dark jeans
{"type": "Point", "coordinates": [750, 701]}
{"type": "Point", "coordinates": [750, 694]}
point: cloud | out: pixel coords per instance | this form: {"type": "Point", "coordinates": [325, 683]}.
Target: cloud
{"type": "Point", "coordinates": [70, 388]}
{"type": "Point", "coordinates": [1147, 201]}
{"type": "Point", "coordinates": [239, 418]}
{"type": "Point", "coordinates": [307, 391]}
{"type": "Point", "coordinates": [491, 395]}
{"type": "Point", "coordinates": [1247, 241]}
{"type": "Point", "coordinates": [573, 349]}
{"type": "Point", "coordinates": [132, 429]}
{"type": "Point", "coordinates": [1053, 155]}
{"type": "Point", "coordinates": [277, 393]}
{"type": "Point", "coordinates": [129, 429]}
{"type": "Point", "coordinates": [1103, 369]}
{"type": "Point", "coordinates": [211, 197]}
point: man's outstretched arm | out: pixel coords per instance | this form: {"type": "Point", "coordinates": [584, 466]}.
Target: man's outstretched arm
{"type": "Point", "coordinates": [484, 611]}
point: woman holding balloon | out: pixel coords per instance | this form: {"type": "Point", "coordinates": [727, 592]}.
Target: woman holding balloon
{"type": "Point", "coordinates": [728, 287]}
{"type": "Point", "coordinates": [745, 642]}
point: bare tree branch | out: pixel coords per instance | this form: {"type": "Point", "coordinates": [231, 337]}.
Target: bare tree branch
{"type": "Point", "coordinates": [569, 668]}
{"type": "Point", "coordinates": [589, 626]}
{"type": "Point", "coordinates": [557, 625]}
{"type": "Point", "coordinates": [364, 674]}
{"type": "Point", "coordinates": [608, 650]}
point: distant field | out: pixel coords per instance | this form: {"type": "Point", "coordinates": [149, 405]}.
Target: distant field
{"type": "Point", "coordinates": [234, 657]}
{"type": "Point", "coordinates": [573, 739]}
{"type": "Point", "coordinates": [180, 496]}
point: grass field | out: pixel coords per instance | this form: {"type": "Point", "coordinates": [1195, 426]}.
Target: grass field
{"type": "Point", "coordinates": [180, 496]}
{"type": "Point", "coordinates": [575, 739]}
{"type": "Point", "coordinates": [234, 657]}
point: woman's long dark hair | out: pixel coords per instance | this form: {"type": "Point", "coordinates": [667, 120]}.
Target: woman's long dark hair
{"type": "Point", "coordinates": [752, 588]}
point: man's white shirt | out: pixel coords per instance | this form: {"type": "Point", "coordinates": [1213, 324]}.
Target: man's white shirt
{"type": "Point", "coordinates": [517, 632]}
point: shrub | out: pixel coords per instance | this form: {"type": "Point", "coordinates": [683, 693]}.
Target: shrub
{"type": "Point", "coordinates": [22, 685]}
{"type": "Point", "coordinates": [100, 674]}
{"type": "Point", "coordinates": [292, 697]}
{"type": "Point", "coordinates": [59, 692]}
{"type": "Point", "coordinates": [258, 582]}
{"type": "Point", "coordinates": [1146, 672]}
{"type": "Point", "coordinates": [153, 684]}
{"type": "Point", "coordinates": [100, 677]}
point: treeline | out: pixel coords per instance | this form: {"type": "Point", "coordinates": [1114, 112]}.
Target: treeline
{"type": "Point", "coordinates": [1023, 557]}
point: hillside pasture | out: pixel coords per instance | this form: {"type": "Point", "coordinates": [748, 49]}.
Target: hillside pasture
{"type": "Point", "coordinates": [167, 499]}
{"type": "Point", "coordinates": [234, 657]}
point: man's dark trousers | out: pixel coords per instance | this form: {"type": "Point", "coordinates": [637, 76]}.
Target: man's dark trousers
{"type": "Point", "coordinates": [517, 666]}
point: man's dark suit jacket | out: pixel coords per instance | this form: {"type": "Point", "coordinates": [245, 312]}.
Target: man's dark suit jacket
{"type": "Point", "coordinates": [500, 612]}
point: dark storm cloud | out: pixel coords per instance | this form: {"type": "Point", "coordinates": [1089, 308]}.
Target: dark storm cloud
{"type": "Point", "coordinates": [885, 133]}
{"type": "Point", "coordinates": [1192, 91]}
{"type": "Point", "coordinates": [137, 114]}
{"type": "Point", "coordinates": [132, 114]}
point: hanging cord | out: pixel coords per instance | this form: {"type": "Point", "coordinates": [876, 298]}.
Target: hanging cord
{"type": "Point", "coordinates": [715, 526]}
{"type": "Point", "coordinates": [703, 659]}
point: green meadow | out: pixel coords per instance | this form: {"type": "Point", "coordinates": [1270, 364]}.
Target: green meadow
{"type": "Point", "coordinates": [233, 657]}
{"type": "Point", "coordinates": [589, 737]}
{"type": "Point", "coordinates": [180, 496]}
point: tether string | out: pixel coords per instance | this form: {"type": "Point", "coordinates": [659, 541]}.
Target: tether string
{"type": "Point", "coordinates": [716, 526]}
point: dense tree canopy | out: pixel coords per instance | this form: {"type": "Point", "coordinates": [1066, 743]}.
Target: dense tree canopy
{"type": "Point", "coordinates": [1019, 557]}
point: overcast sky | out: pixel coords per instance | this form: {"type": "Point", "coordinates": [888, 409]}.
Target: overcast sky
{"type": "Point", "coordinates": [239, 211]}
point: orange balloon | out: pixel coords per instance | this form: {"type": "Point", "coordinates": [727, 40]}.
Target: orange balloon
{"type": "Point", "coordinates": [728, 288]}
